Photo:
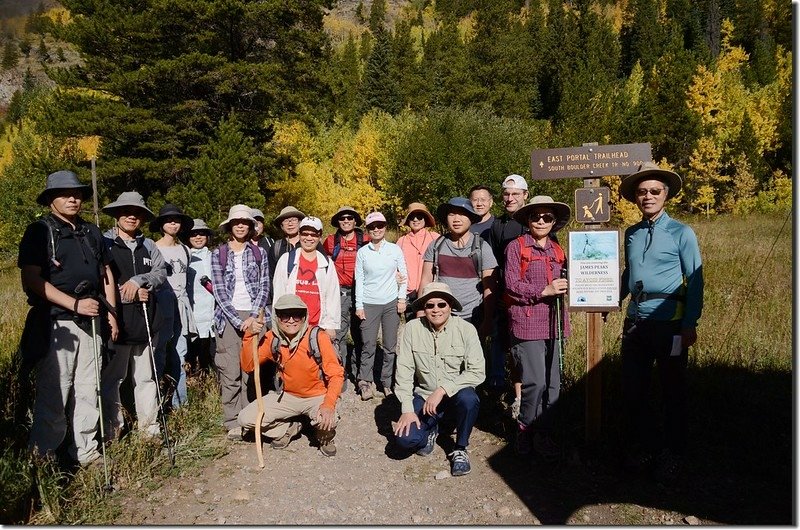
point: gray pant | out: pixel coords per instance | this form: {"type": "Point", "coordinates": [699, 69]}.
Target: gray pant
{"type": "Point", "coordinates": [385, 316]}
{"type": "Point", "coordinates": [279, 411]}
{"type": "Point", "coordinates": [232, 380]}
{"type": "Point", "coordinates": [537, 362]}
{"type": "Point", "coordinates": [66, 391]}
{"type": "Point", "coordinates": [346, 299]}
{"type": "Point", "coordinates": [133, 358]}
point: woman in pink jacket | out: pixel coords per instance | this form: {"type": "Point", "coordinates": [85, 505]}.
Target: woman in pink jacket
{"type": "Point", "coordinates": [419, 220]}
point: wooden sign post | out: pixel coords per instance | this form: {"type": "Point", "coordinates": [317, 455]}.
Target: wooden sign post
{"type": "Point", "coordinates": [590, 162]}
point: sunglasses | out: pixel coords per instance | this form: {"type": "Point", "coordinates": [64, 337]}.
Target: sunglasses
{"type": "Point", "coordinates": [294, 315]}
{"type": "Point", "coordinates": [546, 217]}
{"type": "Point", "coordinates": [440, 305]}
{"type": "Point", "coordinates": [655, 192]}
{"type": "Point", "coordinates": [347, 218]}
{"type": "Point", "coordinates": [376, 226]}
{"type": "Point", "coordinates": [416, 217]}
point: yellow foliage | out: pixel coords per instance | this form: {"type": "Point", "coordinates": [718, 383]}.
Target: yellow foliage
{"type": "Point", "coordinates": [89, 145]}
{"type": "Point", "coordinates": [703, 95]}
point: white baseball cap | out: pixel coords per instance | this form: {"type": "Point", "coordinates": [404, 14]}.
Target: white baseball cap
{"type": "Point", "coordinates": [515, 181]}
{"type": "Point", "coordinates": [312, 222]}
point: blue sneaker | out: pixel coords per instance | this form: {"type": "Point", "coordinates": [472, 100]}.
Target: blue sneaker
{"type": "Point", "coordinates": [459, 463]}
{"type": "Point", "coordinates": [430, 443]}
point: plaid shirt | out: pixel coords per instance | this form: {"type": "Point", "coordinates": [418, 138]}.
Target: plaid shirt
{"type": "Point", "coordinates": [256, 281]}
{"type": "Point", "coordinates": [530, 316]}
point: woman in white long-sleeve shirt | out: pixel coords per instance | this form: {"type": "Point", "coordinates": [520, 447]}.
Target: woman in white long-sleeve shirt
{"type": "Point", "coordinates": [380, 300]}
{"type": "Point", "coordinates": [201, 347]}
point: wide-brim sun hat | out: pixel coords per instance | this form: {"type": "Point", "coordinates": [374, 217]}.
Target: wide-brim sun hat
{"type": "Point", "coordinates": [62, 180]}
{"type": "Point", "coordinates": [128, 199]}
{"type": "Point", "coordinates": [198, 225]}
{"type": "Point", "coordinates": [460, 204]}
{"type": "Point", "coordinates": [436, 290]}
{"type": "Point", "coordinates": [287, 212]}
{"type": "Point", "coordinates": [343, 210]}
{"type": "Point", "coordinates": [255, 212]}
{"type": "Point", "coordinates": [238, 211]}
{"type": "Point", "coordinates": [418, 207]}
{"type": "Point", "coordinates": [561, 210]}
{"type": "Point", "coordinates": [650, 171]}
{"type": "Point", "coordinates": [167, 211]}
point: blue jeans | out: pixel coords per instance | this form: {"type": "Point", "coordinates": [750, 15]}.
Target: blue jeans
{"type": "Point", "coordinates": [460, 409]}
{"type": "Point", "coordinates": [171, 347]}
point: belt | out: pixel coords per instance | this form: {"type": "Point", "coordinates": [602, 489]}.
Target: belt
{"type": "Point", "coordinates": [643, 297]}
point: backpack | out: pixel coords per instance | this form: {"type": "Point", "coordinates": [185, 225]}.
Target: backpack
{"type": "Point", "coordinates": [526, 257]}
{"type": "Point", "coordinates": [474, 252]}
{"type": "Point", "coordinates": [223, 254]}
{"type": "Point", "coordinates": [313, 351]}
{"type": "Point", "coordinates": [54, 236]}
{"type": "Point", "coordinates": [337, 242]}
{"type": "Point", "coordinates": [290, 262]}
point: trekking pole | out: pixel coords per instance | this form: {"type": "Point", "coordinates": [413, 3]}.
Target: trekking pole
{"type": "Point", "coordinates": [560, 328]}
{"type": "Point", "coordinates": [158, 388]}
{"type": "Point", "coordinates": [257, 382]}
{"type": "Point", "coordinates": [80, 289]}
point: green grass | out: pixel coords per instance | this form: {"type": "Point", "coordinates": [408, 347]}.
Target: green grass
{"type": "Point", "coordinates": [740, 383]}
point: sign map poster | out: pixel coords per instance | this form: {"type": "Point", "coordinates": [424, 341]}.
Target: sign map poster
{"type": "Point", "coordinates": [593, 272]}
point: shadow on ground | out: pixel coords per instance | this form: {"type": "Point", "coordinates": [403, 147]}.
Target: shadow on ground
{"type": "Point", "coordinates": [738, 470]}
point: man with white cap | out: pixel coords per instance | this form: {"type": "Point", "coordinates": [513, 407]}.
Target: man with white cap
{"type": "Point", "coordinates": [439, 364]}
{"type": "Point", "coordinates": [312, 277]}
{"type": "Point", "coordinates": [664, 276]}
{"type": "Point", "coordinates": [56, 255]}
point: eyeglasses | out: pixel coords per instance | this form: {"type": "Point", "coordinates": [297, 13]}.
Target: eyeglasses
{"type": "Point", "coordinates": [376, 226]}
{"type": "Point", "coordinates": [440, 305]}
{"type": "Point", "coordinates": [309, 233]}
{"type": "Point", "coordinates": [347, 218]}
{"type": "Point", "coordinates": [655, 192]}
{"type": "Point", "coordinates": [546, 217]}
{"type": "Point", "coordinates": [416, 217]}
{"type": "Point", "coordinates": [294, 315]}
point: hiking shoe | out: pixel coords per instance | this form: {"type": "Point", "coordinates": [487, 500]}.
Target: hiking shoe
{"type": "Point", "coordinates": [328, 448]}
{"type": "Point", "coordinates": [387, 391]}
{"type": "Point", "coordinates": [667, 467]}
{"type": "Point", "coordinates": [515, 408]}
{"type": "Point", "coordinates": [430, 443]}
{"type": "Point", "coordinates": [283, 441]}
{"type": "Point", "coordinates": [235, 434]}
{"type": "Point", "coordinates": [459, 463]}
{"type": "Point", "coordinates": [365, 389]}
{"type": "Point", "coordinates": [523, 443]}
{"type": "Point", "coordinates": [545, 446]}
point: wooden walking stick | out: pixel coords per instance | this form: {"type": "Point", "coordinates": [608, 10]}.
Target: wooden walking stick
{"type": "Point", "coordinates": [257, 376]}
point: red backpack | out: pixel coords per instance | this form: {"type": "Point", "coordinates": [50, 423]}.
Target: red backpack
{"type": "Point", "coordinates": [526, 257]}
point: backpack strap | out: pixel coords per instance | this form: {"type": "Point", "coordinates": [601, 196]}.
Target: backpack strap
{"type": "Point", "coordinates": [314, 352]}
{"type": "Point", "coordinates": [223, 256]}
{"type": "Point", "coordinates": [337, 245]}
{"type": "Point", "coordinates": [275, 347]}
{"type": "Point", "coordinates": [437, 247]}
{"type": "Point", "coordinates": [476, 253]}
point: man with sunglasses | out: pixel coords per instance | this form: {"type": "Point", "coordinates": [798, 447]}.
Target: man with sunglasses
{"type": "Point", "coordinates": [307, 389]}
{"type": "Point", "coordinates": [342, 247]}
{"type": "Point", "coordinates": [443, 354]}
{"type": "Point", "coordinates": [664, 276]}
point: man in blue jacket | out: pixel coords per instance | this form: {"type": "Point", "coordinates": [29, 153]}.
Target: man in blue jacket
{"type": "Point", "coordinates": [664, 276]}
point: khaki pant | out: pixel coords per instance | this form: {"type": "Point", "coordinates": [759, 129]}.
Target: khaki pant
{"type": "Point", "coordinates": [136, 358]}
{"type": "Point", "coordinates": [232, 380]}
{"type": "Point", "coordinates": [66, 390]}
{"type": "Point", "coordinates": [278, 413]}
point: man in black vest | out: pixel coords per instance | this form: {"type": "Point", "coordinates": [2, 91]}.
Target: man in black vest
{"type": "Point", "coordinates": [56, 255]}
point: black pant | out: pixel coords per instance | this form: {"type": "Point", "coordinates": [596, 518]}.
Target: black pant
{"type": "Point", "coordinates": [643, 343]}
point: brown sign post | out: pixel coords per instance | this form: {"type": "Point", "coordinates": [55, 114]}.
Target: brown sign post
{"type": "Point", "coordinates": [590, 161]}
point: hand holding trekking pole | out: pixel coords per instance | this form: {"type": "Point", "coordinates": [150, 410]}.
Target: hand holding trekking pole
{"type": "Point", "coordinates": [257, 380]}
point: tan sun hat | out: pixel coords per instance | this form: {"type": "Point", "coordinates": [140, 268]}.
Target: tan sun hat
{"type": "Point", "coordinates": [418, 207]}
{"type": "Point", "coordinates": [287, 212]}
{"type": "Point", "coordinates": [436, 290]}
{"type": "Point", "coordinates": [561, 210]}
{"type": "Point", "coordinates": [648, 171]}
{"type": "Point", "coordinates": [238, 211]}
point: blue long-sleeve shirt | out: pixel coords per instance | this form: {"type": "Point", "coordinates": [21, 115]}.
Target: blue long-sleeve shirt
{"type": "Point", "coordinates": [665, 257]}
{"type": "Point", "coordinates": [375, 278]}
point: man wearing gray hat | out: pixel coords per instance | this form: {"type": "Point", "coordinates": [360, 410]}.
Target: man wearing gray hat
{"type": "Point", "coordinates": [664, 276]}
{"type": "Point", "coordinates": [58, 254]}
{"type": "Point", "coordinates": [439, 364]}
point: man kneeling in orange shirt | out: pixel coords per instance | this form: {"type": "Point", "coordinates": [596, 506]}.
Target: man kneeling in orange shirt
{"type": "Point", "coordinates": [306, 386]}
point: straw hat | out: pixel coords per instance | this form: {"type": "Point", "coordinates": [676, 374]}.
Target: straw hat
{"type": "Point", "coordinates": [419, 208]}
{"type": "Point", "coordinates": [648, 171]}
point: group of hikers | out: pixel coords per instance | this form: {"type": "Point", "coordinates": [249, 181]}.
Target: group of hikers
{"type": "Point", "coordinates": [117, 308]}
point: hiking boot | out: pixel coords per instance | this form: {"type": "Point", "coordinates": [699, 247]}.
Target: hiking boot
{"type": "Point", "coordinates": [515, 408]}
{"type": "Point", "coordinates": [328, 448]}
{"type": "Point", "coordinates": [283, 441]}
{"type": "Point", "coordinates": [545, 447]}
{"type": "Point", "coordinates": [365, 389]}
{"type": "Point", "coordinates": [667, 467]}
{"type": "Point", "coordinates": [235, 434]}
{"type": "Point", "coordinates": [325, 440]}
{"type": "Point", "coordinates": [459, 463]}
{"type": "Point", "coordinates": [430, 443]}
{"type": "Point", "coordinates": [523, 443]}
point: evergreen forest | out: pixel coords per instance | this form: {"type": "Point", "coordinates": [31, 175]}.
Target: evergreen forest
{"type": "Point", "coordinates": [375, 104]}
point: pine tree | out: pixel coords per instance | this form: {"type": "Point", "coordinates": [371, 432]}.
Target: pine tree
{"type": "Point", "coordinates": [347, 79]}
{"type": "Point", "coordinates": [379, 90]}
{"type": "Point", "coordinates": [445, 66]}
{"type": "Point", "coordinates": [42, 51]}
{"type": "Point", "coordinates": [25, 46]}
{"type": "Point", "coordinates": [643, 37]}
{"type": "Point", "coordinates": [360, 12]}
{"type": "Point", "coordinates": [10, 55]}
{"type": "Point", "coordinates": [377, 15]}
{"type": "Point", "coordinates": [404, 66]}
